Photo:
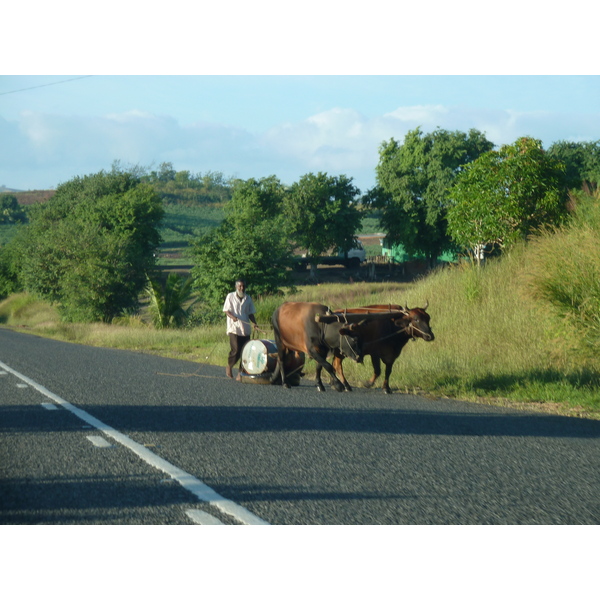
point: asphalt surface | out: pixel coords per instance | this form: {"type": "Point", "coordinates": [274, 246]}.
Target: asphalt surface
{"type": "Point", "coordinates": [239, 453]}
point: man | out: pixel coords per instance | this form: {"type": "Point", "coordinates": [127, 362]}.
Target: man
{"type": "Point", "coordinates": [240, 310]}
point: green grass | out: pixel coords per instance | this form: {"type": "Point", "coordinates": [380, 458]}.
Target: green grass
{"type": "Point", "coordinates": [23, 310]}
{"type": "Point", "coordinates": [564, 275]}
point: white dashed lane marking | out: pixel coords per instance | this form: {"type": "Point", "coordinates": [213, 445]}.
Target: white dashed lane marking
{"type": "Point", "coordinates": [197, 487]}
{"type": "Point", "coordinates": [49, 406]}
{"type": "Point", "coordinates": [99, 441]}
{"type": "Point", "coordinates": [201, 518]}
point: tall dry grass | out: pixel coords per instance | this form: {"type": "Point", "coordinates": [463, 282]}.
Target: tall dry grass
{"type": "Point", "coordinates": [564, 271]}
{"type": "Point", "coordinates": [494, 339]}
{"type": "Point", "coordinates": [526, 327]}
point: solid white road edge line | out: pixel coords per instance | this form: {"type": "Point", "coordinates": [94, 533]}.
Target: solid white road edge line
{"type": "Point", "coordinates": [189, 482]}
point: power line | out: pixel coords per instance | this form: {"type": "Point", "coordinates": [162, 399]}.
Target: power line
{"type": "Point", "coordinates": [44, 85]}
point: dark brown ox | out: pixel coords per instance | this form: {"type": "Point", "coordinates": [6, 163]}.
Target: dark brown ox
{"type": "Point", "coordinates": [297, 329]}
{"type": "Point", "coordinates": [384, 339]}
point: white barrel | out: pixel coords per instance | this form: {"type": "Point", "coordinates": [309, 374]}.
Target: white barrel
{"type": "Point", "coordinates": [259, 356]}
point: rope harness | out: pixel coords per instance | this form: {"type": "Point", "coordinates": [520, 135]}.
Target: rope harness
{"type": "Point", "coordinates": [410, 329]}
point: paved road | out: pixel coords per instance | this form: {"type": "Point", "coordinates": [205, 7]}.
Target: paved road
{"type": "Point", "coordinates": [91, 435]}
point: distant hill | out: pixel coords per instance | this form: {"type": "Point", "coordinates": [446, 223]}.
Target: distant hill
{"type": "Point", "coordinates": [26, 198]}
{"type": "Point", "coordinates": [34, 197]}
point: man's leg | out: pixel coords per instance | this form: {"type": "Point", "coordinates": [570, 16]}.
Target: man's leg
{"type": "Point", "coordinates": [242, 341]}
{"type": "Point", "coordinates": [237, 343]}
{"type": "Point", "coordinates": [233, 354]}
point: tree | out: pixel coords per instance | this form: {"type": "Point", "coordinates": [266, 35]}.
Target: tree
{"type": "Point", "coordinates": [184, 187]}
{"type": "Point", "coordinates": [9, 270]}
{"type": "Point", "coordinates": [89, 247]}
{"type": "Point", "coordinates": [166, 172]}
{"type": "Point", "coordinates": [504, 195]}
{"type": "Point", "coordinates": [322, 213]}
{"type": "Point", "coordinates": [10, 210]}
{"type": "Point", "coordinates": [581, 159]}
{"type": "Point", "coordinates": [251, 243]}
{"type": "Point", "coordinates": [413, 186]}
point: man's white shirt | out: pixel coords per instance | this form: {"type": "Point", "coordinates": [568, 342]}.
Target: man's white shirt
{"type": "Point", "coordinates": [242, 308]}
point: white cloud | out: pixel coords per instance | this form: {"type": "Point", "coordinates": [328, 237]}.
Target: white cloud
{"type": "Point", "coordinates": [329, 140]}
{"type": "Point", "coordinates": [41, 150]}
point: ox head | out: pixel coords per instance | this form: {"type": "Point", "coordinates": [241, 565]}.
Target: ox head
{"type": "Point", "coordinates": [350, 342]}
{"type": "Point", "coordinates": [416, 323]}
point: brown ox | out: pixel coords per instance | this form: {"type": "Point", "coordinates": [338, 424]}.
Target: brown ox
{"type": "Point", "coordinates": [297, 329]}
{"type": "Point", "coordinates": [384, 339]}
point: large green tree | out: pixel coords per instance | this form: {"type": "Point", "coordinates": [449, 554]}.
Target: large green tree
{"type": "Point", "coordinates": [89, 247]}
{"type": "Point", "coordinates": [251, 242]}
{"type": "Point", "coordinates": [581, 160]}
{"type": "Point", "coordinates": [506, 194]}
{"type": "Point", "coordinates": [322, 212]}
{"type": "Point", "coordinates": [414, 179]}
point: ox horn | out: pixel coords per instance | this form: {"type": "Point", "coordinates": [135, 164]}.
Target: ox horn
{"type": "Point", "coordinates": [354, 326]}
{"type": "Point", "coordinates": [426, 304]}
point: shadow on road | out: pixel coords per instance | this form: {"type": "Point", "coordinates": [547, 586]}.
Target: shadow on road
{"type": "Point", "coordinates": [255, 419]}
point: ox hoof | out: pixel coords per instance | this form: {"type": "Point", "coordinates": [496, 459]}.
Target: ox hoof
{"type": "Point", "coordinates": [368, 384]}
{"type": "Point", "coordinates": [386, 390]}
{"type": "Point", "coordinates": [321, 388]}
{"type": "Point", "coordinates": [286, 386]}
{"type": "Point", "coordinates": [348, 388]}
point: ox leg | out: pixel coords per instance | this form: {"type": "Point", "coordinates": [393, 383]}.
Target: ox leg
{"type": "Point", "coordinates": [338, 368]}
{"type": "Point", "coordinates": [323, 364]}
{"type": "Point", "coordinates": [320, 385]}
{"type": "Point", "coordinates": [280, 370]}
{"type": "Point", "coordinates": [386, 380]}
{"type": "Point", "coordinates": [376, 371]}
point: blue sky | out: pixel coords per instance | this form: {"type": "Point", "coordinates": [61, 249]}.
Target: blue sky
{"type": "Point", "coordinates": [283, 92]}
{"type": "Point", "coordinates": [55, 127]}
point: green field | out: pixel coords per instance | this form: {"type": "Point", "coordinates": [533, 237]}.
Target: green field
{"type": "Point", "coordinates": [181, 224]}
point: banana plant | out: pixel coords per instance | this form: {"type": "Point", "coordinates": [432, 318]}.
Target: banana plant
{"type": "Point", "coordinates": [167, 302]}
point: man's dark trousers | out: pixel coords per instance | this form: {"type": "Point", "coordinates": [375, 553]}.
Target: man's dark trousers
{"type": "Point", "coordinates": [237, 343]}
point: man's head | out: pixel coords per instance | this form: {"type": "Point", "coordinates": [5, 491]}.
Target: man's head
{"type": "Point", "coordinates": [240, 288]}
